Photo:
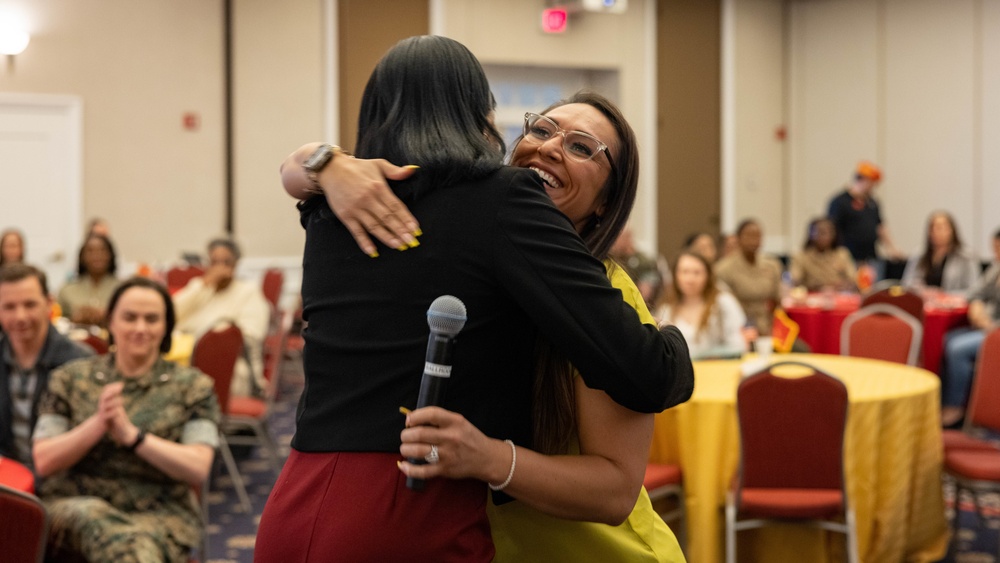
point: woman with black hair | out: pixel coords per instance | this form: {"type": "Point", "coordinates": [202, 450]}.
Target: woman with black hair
{"type": "Point", "coordinates": [494, 240]}
{"type": "Point", "coordinates": [121, 439]}
{"type": "Point", "coordinates": [83, 300]}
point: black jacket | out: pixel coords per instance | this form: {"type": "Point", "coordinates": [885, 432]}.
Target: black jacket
{"type": "Point", "coordinates": [56, 351]}
{"type": "Point", "coordinates": [503, 248]}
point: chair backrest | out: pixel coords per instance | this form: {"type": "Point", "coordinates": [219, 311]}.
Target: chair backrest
{"type": "Point", "coordinates": [274, 281]}
{"type": "Point", "coordinates": [792, 429]}
{"type": "Point", "coordinates": [984, 403]}
{"type": "Point", "coordinates": [24, 526]}
{"type": "Point", "coordinates": [96, 343]}
{"type": "Point", "coordinates": [179, 276]}
{"type": "Point", "coordinates": [882, 332]}
{"type": "Point", "coordinates": [215, 354]}
{"type": "Point", "coordinates": [899, 296]}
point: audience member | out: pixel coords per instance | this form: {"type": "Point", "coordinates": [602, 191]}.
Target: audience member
{"type": "Point", "coordinates": [218, 296]}
{"type": "Point", "coordinates": [754, 279]}
{"type": "Point", "coordinates": [11, 247]}
{"type": "Point", "coordinates": [84, 299]}
{"type": "Point", "coordinates": [30, 348]}
{"type": "Point", "coordinates": [823, 263]}
{"type": "Point", "coordinates": [961, 346]}
{"type": "Point", "coordinates": [121, 439]}
{"type": "Point", "coordinates": [703, 244]}
{"type": "Point", "coordinates": [856, 215]}
{"type": "Point", "coordinates": [944, 262]}
{"type": "Point", "coordinates": [642, 269]}
{"type": "Point", "coordinates": [711, 320]}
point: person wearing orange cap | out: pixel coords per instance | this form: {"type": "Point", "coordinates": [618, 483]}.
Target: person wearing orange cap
{"type": "Point", "coordinates": [856, 215]}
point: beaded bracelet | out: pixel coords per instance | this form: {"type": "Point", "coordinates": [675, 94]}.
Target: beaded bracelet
{"type": "Point", "coordinates": [513, 463]}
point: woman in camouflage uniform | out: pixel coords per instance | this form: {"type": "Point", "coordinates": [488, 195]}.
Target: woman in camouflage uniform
{"type": "Point", "coordinates": [121, 439]}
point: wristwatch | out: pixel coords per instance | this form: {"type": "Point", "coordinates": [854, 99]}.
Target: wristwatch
{"type": "Point", "coordinates": [316, 162]}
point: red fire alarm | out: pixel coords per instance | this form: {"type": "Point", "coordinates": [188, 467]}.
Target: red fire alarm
{"type": "Point", "coordinates": [554, 20]}
{"type": "Point", "coordinates": [191, 121]}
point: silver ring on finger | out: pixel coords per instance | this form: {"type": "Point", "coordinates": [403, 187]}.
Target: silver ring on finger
{"type": "Point", "coordinates": [432, 457]}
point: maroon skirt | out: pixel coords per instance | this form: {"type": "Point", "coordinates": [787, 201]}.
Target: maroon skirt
{"type": "Point", "coordinates": [351, 507]}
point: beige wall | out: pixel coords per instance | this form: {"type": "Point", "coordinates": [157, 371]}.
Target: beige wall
{"type": "Point", "coordinates": [137, 66]}
{"type": "Point", "coordinates": [278, 65]}
{"type": "Point", "coordinates": [753, 110]}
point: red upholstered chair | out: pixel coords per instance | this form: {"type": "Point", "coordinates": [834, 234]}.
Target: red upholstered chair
{"type": "Point", "coordinates": [983, 412]}
{"type": "Point", "coordinates": [663, 480]}
{"type": "Point", "coordinates": [96, 343]}
{"type": "Point", "coordinates": [274, 281]}
{"type": "Point", "coordinates": [791, 455]}
{"type": "Point", "coordinates": [892, 293]}
{"type": "Point", "coordinates": [24, 526]}
{"type": "Point", "coordinates": [179, 276]}
{"type": "Point", "coordinates": [215, 354]}
{"type": "Point", "coordinates": [976, 471]}
{"type": "Point", "coordinates": [882, 332]}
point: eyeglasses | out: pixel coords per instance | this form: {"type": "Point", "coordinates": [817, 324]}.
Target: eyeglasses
{"type": "Point", "coordinates": [578, 145]}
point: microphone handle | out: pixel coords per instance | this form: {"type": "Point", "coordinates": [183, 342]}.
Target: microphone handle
{"type": "Point", "coordinates": [437, 371]}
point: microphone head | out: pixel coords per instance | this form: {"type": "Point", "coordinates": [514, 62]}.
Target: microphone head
{"type": "Point", "coordinates": [446, 315]}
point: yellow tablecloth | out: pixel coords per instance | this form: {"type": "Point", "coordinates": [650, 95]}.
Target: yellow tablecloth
{"type": "Point", "coordinates": [892, 459]}
{"type": "Point", "coordinates": [181, 348]}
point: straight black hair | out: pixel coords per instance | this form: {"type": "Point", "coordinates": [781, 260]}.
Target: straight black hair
{"type": "Point", "coordinates": [428, 103]}
{"type": "Point", "coordinates": [81, 268]}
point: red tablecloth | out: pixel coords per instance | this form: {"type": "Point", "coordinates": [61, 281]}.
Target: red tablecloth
{"type": "Point", "coordinates": [821, 316]}
{"type": "Point", "coordinates": [16, 476]}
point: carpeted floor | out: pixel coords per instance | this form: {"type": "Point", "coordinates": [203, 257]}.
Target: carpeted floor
{"type": "Point", "coordinates": [232, 532]}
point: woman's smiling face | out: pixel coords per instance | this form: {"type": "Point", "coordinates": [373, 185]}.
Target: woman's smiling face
{"type": "Point", "coordinates": [576, 187]}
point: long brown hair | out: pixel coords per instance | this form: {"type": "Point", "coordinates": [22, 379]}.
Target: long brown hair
{"type": "Point", "coordinates": [709, 293]}
{"type": "Point", "coordinates": [554, 408]}
{"type": "Point", "coordinates": [927, 258]}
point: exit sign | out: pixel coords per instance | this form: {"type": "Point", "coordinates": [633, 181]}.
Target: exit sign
{"type": "Point", "coordinates": [554, 20]}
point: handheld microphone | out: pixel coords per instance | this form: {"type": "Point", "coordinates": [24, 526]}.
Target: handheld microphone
{"type": "Point", "coordinates": [446, 317]}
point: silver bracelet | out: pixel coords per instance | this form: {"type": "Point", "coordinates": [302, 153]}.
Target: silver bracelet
{"type": "Point", "coordinates": [513, 464]}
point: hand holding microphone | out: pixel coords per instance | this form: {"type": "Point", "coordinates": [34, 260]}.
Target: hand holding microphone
{"type": "Point", "coordinates": [446, 318]}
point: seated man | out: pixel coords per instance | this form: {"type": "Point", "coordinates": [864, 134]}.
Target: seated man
{"type": "Point", "coordinates": [30, 348]}
{"type": "Point", "coordinates": [961, 346]}
{"type": "Point", "coordinates": [217, 297]}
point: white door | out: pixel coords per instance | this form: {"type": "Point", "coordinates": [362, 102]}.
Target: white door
{"type": "Point", "coordinates": [41, 178]}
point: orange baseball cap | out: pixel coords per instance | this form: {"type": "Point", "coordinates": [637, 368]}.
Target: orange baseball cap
{"type": "Point", "coordinates": [868, 170]}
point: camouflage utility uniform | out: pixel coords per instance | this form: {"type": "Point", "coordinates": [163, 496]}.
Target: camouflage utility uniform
{"type": "Point", "coordinates": [112, 505]}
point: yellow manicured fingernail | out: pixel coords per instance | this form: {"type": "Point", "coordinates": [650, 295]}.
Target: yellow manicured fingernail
{"type": "Point", "coordinates": [402, 247]}
{"type": "Point", "coordinates": [411, 167]}
{"type": "Point", "coordinates": [413, 243]}
{"type": "Point", "coordinates": [418, 233]}
{"type": "Point", "coordinates": [373, 254]}
{"type": "Point", "coordinates": [399, 464]}
{"type": "Point", "coordinates": [404, 410]}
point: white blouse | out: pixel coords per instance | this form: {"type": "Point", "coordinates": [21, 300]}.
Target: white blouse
{"type": "Point", "coordinates": [722, 336]}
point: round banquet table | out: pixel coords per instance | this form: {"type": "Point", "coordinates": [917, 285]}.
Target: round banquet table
{"type": "Point", "coordinates": [892, 464]}
{"type": "Point", "coordinates": [16, 475]}
{"type": "Point", "coordinates": [820, 318]}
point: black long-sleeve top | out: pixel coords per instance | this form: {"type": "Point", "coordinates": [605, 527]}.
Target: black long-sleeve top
{"type": "Point", "coordinates": [515, 261]}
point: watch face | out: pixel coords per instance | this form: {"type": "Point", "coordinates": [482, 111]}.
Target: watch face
{"type": "Point", "coordinates": [319, 159]}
